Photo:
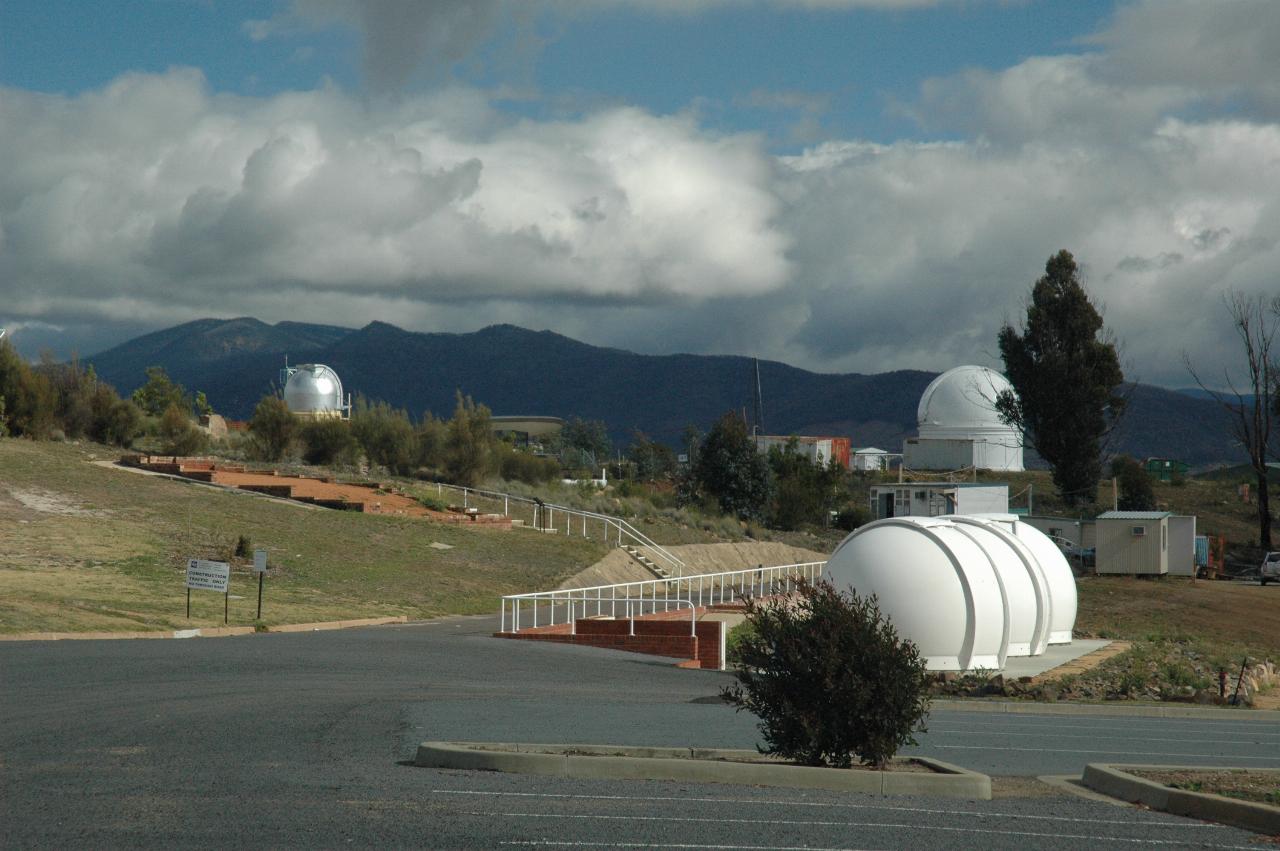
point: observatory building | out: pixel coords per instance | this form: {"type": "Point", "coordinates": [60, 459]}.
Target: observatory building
{"type": "Point", "coordinates": [969, 590]}
{"type": "Point", "coordinates": [959, 426]}
{"type": "Point", "coordinates": [314, 391]}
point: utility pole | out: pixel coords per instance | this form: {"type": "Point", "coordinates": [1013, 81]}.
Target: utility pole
{"type": "Point", "coordinates": [758, 427]}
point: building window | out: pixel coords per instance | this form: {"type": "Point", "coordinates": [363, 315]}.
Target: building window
{"type": "Point", "coordinates": [1138, 531]}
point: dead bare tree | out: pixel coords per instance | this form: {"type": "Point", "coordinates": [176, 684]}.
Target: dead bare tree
{"type": "Point", "coordinates": [1252, 407]}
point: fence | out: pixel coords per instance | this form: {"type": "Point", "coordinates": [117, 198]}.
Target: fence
{"type": "Point", "coordinates": [631, 599]}
{"type": "Point", "coordinates": [544, 516]}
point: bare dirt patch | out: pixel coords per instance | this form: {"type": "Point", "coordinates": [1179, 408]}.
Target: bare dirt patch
{"type": "Point", "coordinates": [51, 502]}
{"type": "Point", "coordinates": [1022, 787]}
{"type": "Point", "coordinates": [1262, 787]}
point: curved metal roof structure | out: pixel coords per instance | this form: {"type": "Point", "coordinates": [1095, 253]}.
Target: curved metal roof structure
{"type": "Point", "coordinates": [313, 388]}
{"type": "Point", "coordinates": [968, 590]}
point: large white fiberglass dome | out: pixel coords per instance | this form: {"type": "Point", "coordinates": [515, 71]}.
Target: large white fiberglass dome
{"type": "Point", "coordinates": [960, 405]}
{"type": "Point", "coordinates": [1057, 573]}
{"type": "Point", "coordinates": [968, 590]}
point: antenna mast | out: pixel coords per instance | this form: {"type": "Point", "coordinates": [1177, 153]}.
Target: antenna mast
{"type": "Point", "coordinates": [758, 427]}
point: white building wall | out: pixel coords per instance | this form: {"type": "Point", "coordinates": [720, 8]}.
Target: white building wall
{"type": "Point", "coordinates": [870, 459]}
{"type": "Point", "coordinates": [922, 453]}
{"type": "Point", "coordinates": [983, 500]}
{"type": "Point", "coordinates": [935, 500]}
{"type": "Point", "coordinates": [1182, 546]}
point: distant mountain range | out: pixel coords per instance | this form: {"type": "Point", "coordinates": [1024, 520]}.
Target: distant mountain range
{"type": "Point", "coordinates": [517, 371]}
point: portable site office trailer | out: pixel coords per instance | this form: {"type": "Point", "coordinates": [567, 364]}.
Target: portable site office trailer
{"type": "Point", "coordinates": [935, 499]}
{"type": "Point", "coordinates": [1134, 542]}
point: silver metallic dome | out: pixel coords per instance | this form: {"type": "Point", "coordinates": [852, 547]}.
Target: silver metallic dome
{"type": "Point", "coordinates": [313, 388]}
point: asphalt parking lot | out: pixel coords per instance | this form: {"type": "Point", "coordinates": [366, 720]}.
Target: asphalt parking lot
{"type": "Point", "coordinates": [304, 740]}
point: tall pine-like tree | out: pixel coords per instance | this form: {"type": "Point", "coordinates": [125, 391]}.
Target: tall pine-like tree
{"type": "Point", "coordinates": [729, 468]}
{"type": "Point", "coordinates": [1066, 375]}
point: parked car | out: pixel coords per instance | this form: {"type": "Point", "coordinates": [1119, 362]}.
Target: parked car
{"type": "Point", "coordinates": [1270, 570]}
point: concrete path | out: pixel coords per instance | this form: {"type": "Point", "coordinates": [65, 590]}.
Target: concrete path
{"type": "Point", "coordinates": [618, 567]}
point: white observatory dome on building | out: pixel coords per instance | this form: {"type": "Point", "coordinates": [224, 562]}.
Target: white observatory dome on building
{"type": "Point", "coordinates": [313, 390]}
{"type": "Point", "coordinates": [969, 590]}
{"type": "Point", "coordinates": [959, 427]}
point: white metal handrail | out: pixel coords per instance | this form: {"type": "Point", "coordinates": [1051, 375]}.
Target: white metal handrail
{"type": "Point", "coordinates": [543, 515]}
{"type": "Point", "coordinates": [631, 617]}
{"type": "Point", "coordinates": [706, 589]}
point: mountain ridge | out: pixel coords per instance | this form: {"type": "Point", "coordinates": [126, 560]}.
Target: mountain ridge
{"type": "Point", "coordinates": [516, 370]}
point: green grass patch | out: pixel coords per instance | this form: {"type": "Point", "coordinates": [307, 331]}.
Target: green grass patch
{"type": "Point", "coordinates": [84, 547]}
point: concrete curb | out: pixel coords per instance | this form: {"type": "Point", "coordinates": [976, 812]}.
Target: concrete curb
{"type": "Point", "coordinates": [1113, 779]}
{"type": "Point", "coordinates": [348, 624]}
{"type": "Point", "coordinates": [698, 765]}
{"type": "Point", "coordinates": [203, 632]}
{"type": "Point", "coordinates": [1013, 707]}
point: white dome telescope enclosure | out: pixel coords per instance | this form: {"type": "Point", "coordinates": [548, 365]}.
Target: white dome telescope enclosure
{"type": "Point", "coordinates": [959, 427]}
{"type": "Point", "coordinates": [969, 590]}
{"type": "Point", "coordinates": [313, 390]}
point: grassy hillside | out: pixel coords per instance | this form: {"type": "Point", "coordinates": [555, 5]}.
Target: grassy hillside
{"type": "Point", "coordinates": [87, 547]}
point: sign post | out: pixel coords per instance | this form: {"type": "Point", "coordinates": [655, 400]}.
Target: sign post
{"type": "Point", "coordinates": [205, 575]}
{"type": "Point", "coordinates": [260, 568]}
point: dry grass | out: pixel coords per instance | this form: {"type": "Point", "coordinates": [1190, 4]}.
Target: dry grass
{"type": "Point", "coordinates": [1232, 615]}
{"type": "Point", "coordinates": [83, 547]}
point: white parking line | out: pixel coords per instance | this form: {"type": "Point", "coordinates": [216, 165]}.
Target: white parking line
{"type": "Point", "coordinates": [1275, 759]}
{"type": "Point", "coordinates": [824, 804]}
{"type": "Point", "coordinates": [1248, 728]}
{"type": "Point", "coordinates": [551, 843]}
{"type": "Point", "coordinates": [1055, 734]}
{"type": "Point", "coordinates": [836, 824]}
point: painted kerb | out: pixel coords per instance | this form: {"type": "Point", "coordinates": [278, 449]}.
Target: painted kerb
{"type": "Point", "coordinates": [696, 765]}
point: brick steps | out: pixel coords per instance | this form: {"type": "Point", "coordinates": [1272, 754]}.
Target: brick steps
{"type": "Point", "coordinates": [326, 492]}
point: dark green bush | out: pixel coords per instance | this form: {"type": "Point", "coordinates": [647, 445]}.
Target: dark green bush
{"type": "Point", "coordinates": [178, 435]}
{"type": "Point", "coordinates": [515, 465]}
{"type": "Point", "coordinates": [328, 441]}
{"type": "Point", "coordinates": [851, 517]}
{"type": "Point", "coordinates": [272, 429]}
{"type": "Point", "coordinates": [386, 435]}
{"type": "Point", "coordinates": [829, 679]}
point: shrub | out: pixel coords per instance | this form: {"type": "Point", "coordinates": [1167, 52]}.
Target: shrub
{"type": "Point", "coordinates": [515, 465]}
{"type": "Point", "coordinates": [851, 517]}
{"type": "Point", "coordinates": [1136, 492]}
{"type": "Point", "coordinates": [328, 441]}
{"type": "Point", "coordinates": [829, 679]}
{"type": "Point", "coordinates": [272, 428]}
{"type": "Point", "coordinates": [178, 434]}
{"type": "Point", "coordinates": [386, 435]}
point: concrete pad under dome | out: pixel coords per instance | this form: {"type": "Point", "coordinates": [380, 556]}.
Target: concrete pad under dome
{"type": "Point", "coordinates": [1055, 655]}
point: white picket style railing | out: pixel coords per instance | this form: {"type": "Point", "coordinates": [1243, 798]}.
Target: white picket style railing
{"type": "Point", "coordinates": [635, 599]}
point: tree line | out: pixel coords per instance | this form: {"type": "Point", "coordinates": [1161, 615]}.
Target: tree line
{"type": "Point", "coordinates": [463, 449]}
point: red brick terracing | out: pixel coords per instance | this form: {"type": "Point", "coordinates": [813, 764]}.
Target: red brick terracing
{"type": "Point", "coordinates": [658, 634]}
{"type": "Point", "coordinates": [365, 497]}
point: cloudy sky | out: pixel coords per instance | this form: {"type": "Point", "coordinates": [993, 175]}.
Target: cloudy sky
{"type": "Point", "coordinates": [845, 185]}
